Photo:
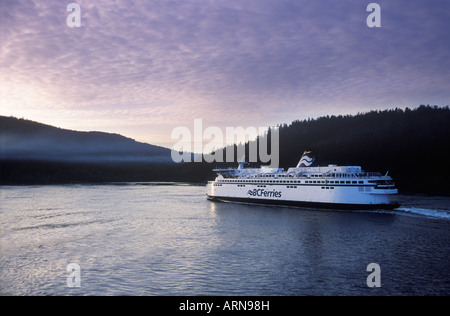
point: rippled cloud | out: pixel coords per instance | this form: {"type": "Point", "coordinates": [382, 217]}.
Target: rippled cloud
{"type": "Point", "coordinates": [144, 67]}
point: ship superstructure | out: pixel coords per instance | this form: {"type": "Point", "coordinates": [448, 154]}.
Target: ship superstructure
{"type": "Point", "coordinates": [307, 184]}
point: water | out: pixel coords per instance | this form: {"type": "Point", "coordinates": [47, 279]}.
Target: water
{"type": "Point", "coordinates": [142, 239]}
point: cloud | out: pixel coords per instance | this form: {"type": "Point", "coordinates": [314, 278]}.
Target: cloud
{"type": "Point", "coordinates": [164, 63]}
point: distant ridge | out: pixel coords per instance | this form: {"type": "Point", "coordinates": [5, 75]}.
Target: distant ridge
{"type": "Point", "coordinates": [411, 144]}
{"type": "Point", "coordinates": [22, 139]}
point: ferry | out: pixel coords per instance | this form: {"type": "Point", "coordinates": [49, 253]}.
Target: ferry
{"type": "Point", "coordinates": [306, 185]}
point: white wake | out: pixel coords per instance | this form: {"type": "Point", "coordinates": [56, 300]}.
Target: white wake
{"type": "Point", "coordinates": [445, 214]}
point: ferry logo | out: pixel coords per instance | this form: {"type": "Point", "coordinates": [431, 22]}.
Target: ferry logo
{"type": "Point", "coordinates": [308, 160]}
{"type": "Point", "coordinates": [264, 193]}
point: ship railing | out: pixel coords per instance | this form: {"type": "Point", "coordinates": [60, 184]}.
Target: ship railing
{"type": "Point", "coordinates": [368, 175]}
{"type": "Point", "coordinates": [355, 175]}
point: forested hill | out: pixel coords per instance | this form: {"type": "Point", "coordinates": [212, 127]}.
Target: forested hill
{"type": "Point", "coordinates": [35, 153]}
{"type": "Point", "coordinates": [411, 144]}
{"type": "Point", "coordinates": [22, 139]}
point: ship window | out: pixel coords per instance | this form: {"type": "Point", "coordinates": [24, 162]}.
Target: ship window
{"type": "Point", "coordinates": [347, 182]}
{"type": "Point", "coordinates": [360, 182]}
{"type": "Point", "coordinates": [332, 188]}
{"type": "Point", "coordinates": [353, 181]}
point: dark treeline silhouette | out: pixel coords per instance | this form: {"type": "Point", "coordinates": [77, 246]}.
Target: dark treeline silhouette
{"type": "Point", "coordinates": [22, 139]}
{"type": "Point", "coordinates": [411, 144]}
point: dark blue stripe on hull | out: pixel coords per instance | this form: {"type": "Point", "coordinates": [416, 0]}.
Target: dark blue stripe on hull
{"type": "Point", "coordinates": [341, 206]}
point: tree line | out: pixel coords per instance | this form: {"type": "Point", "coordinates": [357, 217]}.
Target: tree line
{"type": "Point", "coordinates": [411, 144]}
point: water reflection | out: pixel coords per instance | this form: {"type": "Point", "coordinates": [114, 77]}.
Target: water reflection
{"type": "Point", "coordinates": [170, 240]}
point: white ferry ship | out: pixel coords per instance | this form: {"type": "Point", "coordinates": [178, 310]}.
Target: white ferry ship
{"type": "Point", "coordinates": [344, 187]}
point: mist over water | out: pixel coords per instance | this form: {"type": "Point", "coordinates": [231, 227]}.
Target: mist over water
{"type": "Point", "coordinates": [27, 140]}
{"type": "Point", "coordinates": [167, 239]}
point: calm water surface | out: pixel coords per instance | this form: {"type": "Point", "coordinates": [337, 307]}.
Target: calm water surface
{"type": "Point", "coordinates": [146, 239]}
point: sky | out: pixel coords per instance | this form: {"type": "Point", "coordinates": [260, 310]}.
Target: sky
{"type": "Point", "coordinates": [143, 68]}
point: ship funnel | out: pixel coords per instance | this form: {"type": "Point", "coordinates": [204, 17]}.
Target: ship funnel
{"type": "Point", "coordinates": [308, 160]}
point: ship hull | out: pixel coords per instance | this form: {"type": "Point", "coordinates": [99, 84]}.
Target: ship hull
{"type": "Point", "coordinates": [346, 196]}
{"type": "Point", "coordinates": [308, 204]}
{"type": "Point", "coordinates": [307, 185]}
